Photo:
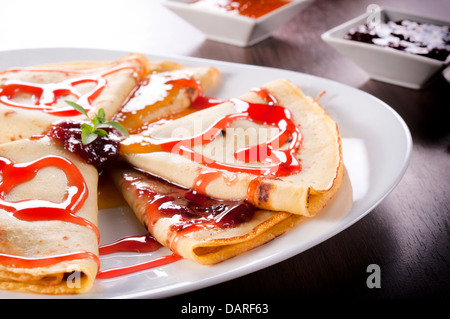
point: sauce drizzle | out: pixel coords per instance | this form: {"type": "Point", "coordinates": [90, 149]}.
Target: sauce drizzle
{"type": "Point", "coordinates": [282, 162]}
{"type": "Point", "coordinates": [14, 174]}
{"type": "Point", "coordinates": [189, 210]}
{"type": "Point", "coordinates": [46, 95]}
{"type": "Point", "coordinates": [26, 262]}
{"type": "Point", "coordinates": [37, 209]}
{"type": "Point", "coordinates": [121, 271]}
{"type": "Point", "coordinates": [142, 244]}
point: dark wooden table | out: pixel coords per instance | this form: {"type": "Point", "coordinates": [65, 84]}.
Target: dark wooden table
{"type": "Point", "coordinates": [408, 233]}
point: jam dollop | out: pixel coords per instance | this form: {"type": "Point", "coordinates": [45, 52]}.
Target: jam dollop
{"type": "Point", "coordinates": [188, 210]}
{"type": "Point", "coordinates": [204, 209]}
{"type": "Point", "coordinates": [423, 39]}
{"type": "Point", "coordinates": [99, 153]}
{"type": "Point", "coordinates": [191, 207]}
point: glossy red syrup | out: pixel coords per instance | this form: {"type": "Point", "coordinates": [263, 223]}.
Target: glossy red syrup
{"type": "Point", "coordinates": [24, 262]}
{"type": "Point", "coordinates": [46, 95]}
{"type": "Point", "coordinates": [31, 210]}
{"type": "Point", "coordinates": [282, 162]}
{"type": "Point", "coordinates": [121, 271]}
{"type": "Point", "coordinates": [141, 244]}
{"type": "Point", "coordinates": [206, 177]}
{"type": "Point", "coordinates": [203, 102]}
{"type": "Point", "coordinates": [190, 210]}
{"type": "Point", "coordinates": [193, 211]}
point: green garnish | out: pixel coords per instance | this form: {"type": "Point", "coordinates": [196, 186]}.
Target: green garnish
{"type": "Point", "coordinates": [89, 133]}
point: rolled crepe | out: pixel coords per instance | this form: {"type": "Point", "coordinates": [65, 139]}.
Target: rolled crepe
{"type": "Point", "coordinates": [47, 250]}
{"type": "Point", "coordinates": [33, 98]}
{"type": "Point", "coordinates": [201, 229]}
{"type": "Point", "coordinates": [304, 191]}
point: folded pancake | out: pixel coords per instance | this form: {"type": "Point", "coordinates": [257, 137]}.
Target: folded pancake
{"type": "Point", "coordinates": [32, 98]}
{"type": "Point", "coordinates": [168, 90]}
{"type": "Point", "coordinates": [274, 147]}
{"type": "Point", "coordinates": [48, 218]}
{"type": "Point", "coordinates": [195, 226]}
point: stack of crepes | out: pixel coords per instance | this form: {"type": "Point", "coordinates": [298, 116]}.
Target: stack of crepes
{"type": "Point", "coordinates": [208, 184]}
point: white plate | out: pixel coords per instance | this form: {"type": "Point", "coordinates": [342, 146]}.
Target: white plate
{"type": "Point", "coordinates": [376, 145]}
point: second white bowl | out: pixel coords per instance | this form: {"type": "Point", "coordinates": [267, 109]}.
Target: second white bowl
{"type": "Point", "coordinates": [383, 63]}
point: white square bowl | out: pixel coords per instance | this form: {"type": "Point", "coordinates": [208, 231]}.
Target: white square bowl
{"type": "Point", "coordinates": [233, 28]}
{"type": "Point", "coordinates": [387, 64]}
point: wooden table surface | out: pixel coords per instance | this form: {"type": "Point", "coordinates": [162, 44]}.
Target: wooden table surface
{"type": "Point", "coordinates": [407, 234]}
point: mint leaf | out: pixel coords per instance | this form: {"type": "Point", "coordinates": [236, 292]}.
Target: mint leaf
{"type": "Point", "coordinates": [101, 116]}
{"type": "Point", "coordinates": [89, 133]}
{"type": "Point", "coordinates": [86, 127]}
{"type": "Point", "coordinates": [77, 107]}
{"type": "Point", "coordinates": [100, 132]}
{"type": "Point", "coordinates": [118, 127]}
{"type": "Point", "coordinates": [87, 137]}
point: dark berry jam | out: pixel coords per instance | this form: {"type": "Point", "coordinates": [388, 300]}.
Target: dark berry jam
{"type": "Point", "coordinates": [98, 153]}
{"type": "Point", "coordinates": [188, 208]}
{"type": "Point", "coordinates": [224, 212]}
{"type": "Point", "coordinates": [423, 39]}
{"type": "Point", "coordinates": [193, 208]}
